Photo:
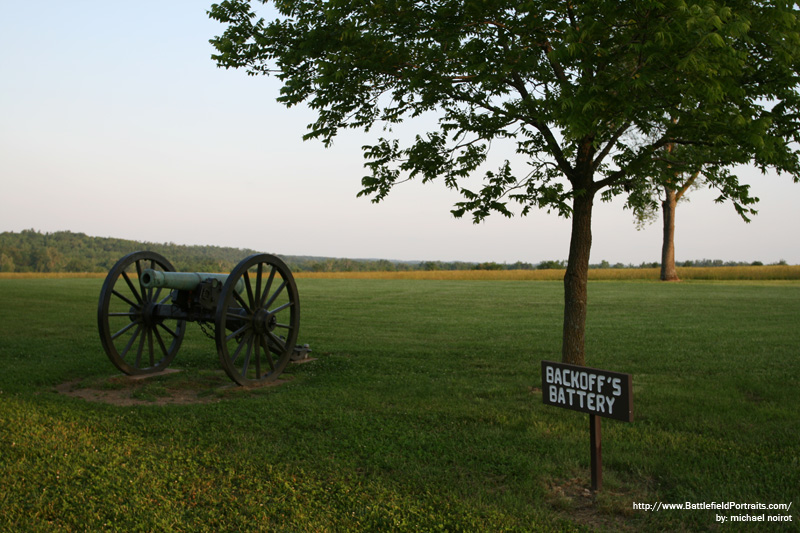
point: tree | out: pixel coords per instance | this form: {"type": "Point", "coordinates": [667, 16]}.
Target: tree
{"type": "Point", "coordinates": [653, 195]}
{"type": "Point", "coordinates": [585, 93]}
{"type": "Point", "coordinates": [6, 263]}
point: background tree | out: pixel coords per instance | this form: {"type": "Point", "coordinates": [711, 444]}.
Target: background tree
{"type": "Point", "coordinates": [6, 263]}
{"type": "Point", "coordinates": [646, 212]}
{"type": "Point", "coordinates": [587, 94]}
{"type": "Point", "coordinates": [654, 195]}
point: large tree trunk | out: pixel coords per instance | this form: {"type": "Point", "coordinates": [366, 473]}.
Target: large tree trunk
{"type": "Point", "coordinates": [575, 281]}
{"type": "Point", "coordinates": [668, 272]}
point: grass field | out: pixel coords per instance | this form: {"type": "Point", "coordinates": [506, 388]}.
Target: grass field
{"type": "Point", "coordinates": [421, 413]}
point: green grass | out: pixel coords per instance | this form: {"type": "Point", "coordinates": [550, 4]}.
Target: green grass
{"type": "Point", "coordinates": [420, 414]}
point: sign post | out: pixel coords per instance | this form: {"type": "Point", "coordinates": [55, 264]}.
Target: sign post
{"type": "Point", "coordinates": [600, 393]}
{"type": "Point", "coordinates": [596, 451]}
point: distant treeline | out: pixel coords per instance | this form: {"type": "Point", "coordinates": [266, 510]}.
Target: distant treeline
{"type": "Point", "coordinates": [65, 251]}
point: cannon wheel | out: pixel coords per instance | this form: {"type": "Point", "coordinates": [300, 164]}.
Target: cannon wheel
{"type": "Point", "coordinates": [135, 341]}
{"type": "Point", "coordinates": [256, 331]}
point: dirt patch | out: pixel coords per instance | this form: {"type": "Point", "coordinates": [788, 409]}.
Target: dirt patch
{"type": "Point", "coordinates": [171, 387]}
{"type": "Point", "coordinates": [605, 510]}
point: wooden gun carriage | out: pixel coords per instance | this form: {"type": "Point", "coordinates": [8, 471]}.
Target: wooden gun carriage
{"type": "Point", "coordinates": [255, 312]}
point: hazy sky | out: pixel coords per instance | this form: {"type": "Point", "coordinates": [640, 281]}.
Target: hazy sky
{"type": "Point", "coordinates": [115, 122]}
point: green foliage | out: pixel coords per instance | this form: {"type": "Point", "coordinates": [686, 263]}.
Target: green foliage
{"type": "Point", "coordinates": [586, 96]}
{"type": "Point", "coordinates": [589, 94]}
{"type": "Point", "coordinates": [420, 414]}
{"type": "Point", "coordinates": [64, 251]}
{"type": "Point", "coordinates": [646, 197]}
{"type": "Point", "coordinates": [33, 251]}
{"type": "Point", "coordinates": [546, 265]}
{"type": "Point", "coordinates": [489, 266]}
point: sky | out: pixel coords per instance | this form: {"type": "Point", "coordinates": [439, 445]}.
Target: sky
{"type": "Point", "coordinates": [116, 122]}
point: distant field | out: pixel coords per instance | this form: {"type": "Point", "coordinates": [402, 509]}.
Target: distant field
{"type": "Point", "coordinates": [422, 412]}
{"type": "Point", "coordinates": [770, 272]}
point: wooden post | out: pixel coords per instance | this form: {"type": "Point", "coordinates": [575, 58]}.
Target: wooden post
{"type": "Point", "coordinates": [596, 452]}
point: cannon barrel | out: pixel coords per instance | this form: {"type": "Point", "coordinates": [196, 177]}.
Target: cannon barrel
{"type": "Point", "coordinates": [182, 281]}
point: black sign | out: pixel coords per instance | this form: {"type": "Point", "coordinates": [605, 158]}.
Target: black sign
{"type": "Point", "coordinates": [588, 390]}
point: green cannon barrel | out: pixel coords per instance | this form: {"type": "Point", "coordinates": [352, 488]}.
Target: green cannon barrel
{"type": "Point", "coordinates": [182, 281]}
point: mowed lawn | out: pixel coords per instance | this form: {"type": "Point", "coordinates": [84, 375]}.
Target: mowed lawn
{"type": "Point", "coordinates": [421, 413]}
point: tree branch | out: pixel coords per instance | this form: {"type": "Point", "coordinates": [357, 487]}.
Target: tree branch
{"type": "Point", "coordinates": [609, 145]}
{"type": "Point", "coordinates": [616, 176]}
{"type": "Point", "coordinates": [686, 185]}
{"type": "Point", "coordinates": [517, 83]}
{"type": "Point", "coordinates": [561, 76]}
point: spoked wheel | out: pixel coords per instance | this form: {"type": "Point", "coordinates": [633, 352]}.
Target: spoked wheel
{"type": "Point", "coordinates": [256, 329]}
{"type": "Point", "coordinates": [135, 341]}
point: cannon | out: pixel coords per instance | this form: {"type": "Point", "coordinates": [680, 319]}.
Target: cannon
{"type": "Point", "coordinates": [255, 313]}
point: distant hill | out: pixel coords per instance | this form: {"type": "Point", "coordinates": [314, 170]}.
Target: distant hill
{"type": "Point", "coordinates": [65, 251]}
